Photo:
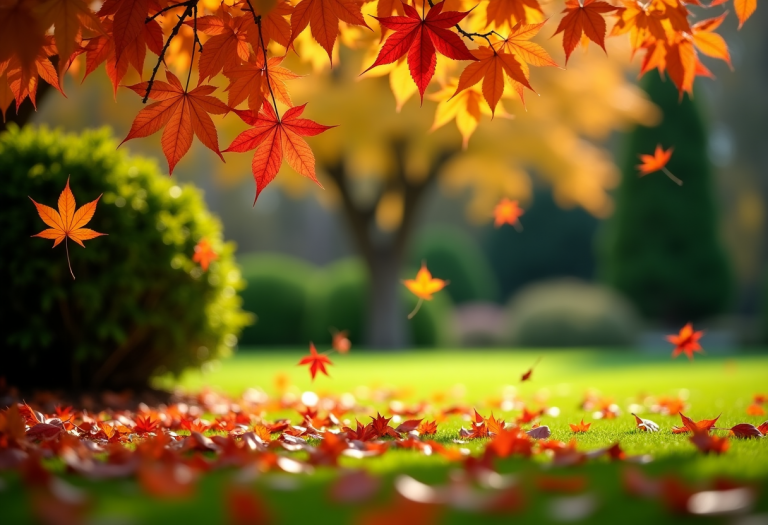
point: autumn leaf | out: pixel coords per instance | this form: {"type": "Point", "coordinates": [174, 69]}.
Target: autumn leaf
{"type": "Point", "coordinates": [245, 507]}
{"type": "Point", "coordinates": [379, 426]}
{"type": "Point", "coordinates": [744, 9]}
{"type": "Point", "coordinates": [687, 341]}
{"type": "Point", "coordinates": [709, 444]}
{"type": "Point", "coordinates": [646, 425]}
{"type": "Point", "coordinates": [586, 19]}
{"type": "Point", "coordinates": [23, 77]}
{"type": "Point", "coordinates": [182, 113]}
{"type": "Point", "coordinates": [580, 427]}
{"type": "Point", "coordinates": [509, 12]}
{"type": "Point", "coordinates": [689, 425]}
{"type": "Point", "coordinates": [657, 162]}
{"type": "Point", "coordinates": [507, 212]}
{"type": "Point", "coordinates": [709, 42]}
{"type": "Point", "coordinates": [69, 18]}
{"type": "Point", "coordinates": [763, 428]}
{"type": "Point", "coordinates": [253, 81]}
{"type": "Point", "coordinates": [316, 362]}
{"type": "Point", "coordinates": [745, 431]}
{"type": "Point", "coordinates": [275, 138]}
{"type": "Point", "coordinates": [421, 38]}
{"type": "Point", "coordinates": [129, 19]}
{"type": "Point", "coordinates": [491, 66]}
{"type": "Point", "coordinates": [423, 286]}
{"type": "Point", "coordinates": [427, 428]}
{"type": "Point", "coordinates": [204, 254]}
{"type": "Point", "coordinates": [323, 17]}
{"type": "Point", "coordinates": [67, 223]}
{"type": "Point", "coordinates": [340, 341]}
{"type": "Point", "coordinates": [755, 410]}
{"type": "Point", "coordinates": [227, 45]}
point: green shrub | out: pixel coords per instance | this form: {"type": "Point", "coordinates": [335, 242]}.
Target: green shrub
{"type": "Point", "coordinates": [340, 301]}
{"type": "Point", "coordinates": [662, 248]}
{"type": "Point", "coordinates": [453, 255]}
{"type": "Point", "coordinates": [277, 293]}
{"type": "Point", "coordinates": [140, 306]}
{"type": "Point", "coordinates": [568, 312]}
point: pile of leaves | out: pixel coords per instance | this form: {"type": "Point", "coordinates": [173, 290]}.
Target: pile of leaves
{"type": "Point", "coordinates": [167, 448]}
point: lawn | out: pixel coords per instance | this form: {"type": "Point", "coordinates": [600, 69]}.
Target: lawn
{"type": "Point", "coordinates": [711, 385]}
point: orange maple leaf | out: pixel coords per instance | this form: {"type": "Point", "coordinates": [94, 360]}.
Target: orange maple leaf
{"type": "Point", "coordinates": [67, 223]}
{"type": "Point", "coordinates": [580, 427]}
{"type": "Point", "coordinates": [687, 341]}
{"type": "Point", "coordinates": [508, 212]}
{"type": "Point", "coordinates": [657, 162]}
{"type": "Point", "coordinates": [423, 286]}
{"type": "Point", "coordinates": [323, 17]}
{"type": "Point", "coordinates": [183, 114]}
{"type": "Point", "coordinates": [315, 361]}
{"type": "Point", "coordinates": [689, 425]}
{"type": "Point", "coordinates": [586, 19]}
{"type": "Point", "coordinates": [706, 443]}
{"type": "Point", "coordinates": [340, 341]}
{"type": "Point", "coordinates": [204, 254]}
{"type": "Point", "coordinates": [491, 66]}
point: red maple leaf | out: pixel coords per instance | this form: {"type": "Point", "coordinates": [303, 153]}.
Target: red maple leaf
{"type": "Point", "coordinates": [687, 341]}
{"type": "Point", "coordinates": [204, 254]}
{"type": "Point", "coordinates": [527, 375]}
{"type": "Point", "coordinates": [315, 361]}
{"type": "Point", "coordinates": [275, 137]}
{"type": "Point", "coordinates": [182, 113]}
{"type": "Point", "coordinates": [323, 18]}
{"type": "Point", "coordinates": [689, 425]}
{"type": "Point", "coordinates": [380, 427]}
{"type": "Point", "coordinates": [657, 162]}
{"type": "Point", "coordinates": [584, 19]}
{"type": "Point", "coordinates": [421, 38]}
{"type": "Point", "coordinates": [706, 443]}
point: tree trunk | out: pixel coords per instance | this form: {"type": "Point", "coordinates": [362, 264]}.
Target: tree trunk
{"type": "Point", "coordinates": [386, 320]}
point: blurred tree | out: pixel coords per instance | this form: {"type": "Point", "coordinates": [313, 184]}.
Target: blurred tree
{"type": "Point", "coordinates": [536, 253]}
{"type": "Point", "coordinates": [662, 247]}
{"type": "Point", "coordinates": [381, 164]}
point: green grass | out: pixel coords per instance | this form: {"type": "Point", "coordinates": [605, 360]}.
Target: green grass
{"type": "Point", "coordinates": [712, 384]}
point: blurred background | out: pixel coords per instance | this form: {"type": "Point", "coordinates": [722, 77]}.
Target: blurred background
{"type": "Point", "coordinates": [604, 258]}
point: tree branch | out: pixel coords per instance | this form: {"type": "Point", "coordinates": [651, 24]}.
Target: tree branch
{"type": "Point", "coordinates": [472, 36]}
{"type": "Point", "coordinates": [191, 8]}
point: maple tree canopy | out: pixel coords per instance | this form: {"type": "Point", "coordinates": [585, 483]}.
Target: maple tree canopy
{"type": "Point", "coordinates": [246, 41]}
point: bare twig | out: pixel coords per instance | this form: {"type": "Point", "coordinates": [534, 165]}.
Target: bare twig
{"type": "Point", "coordinates": [472, 36]}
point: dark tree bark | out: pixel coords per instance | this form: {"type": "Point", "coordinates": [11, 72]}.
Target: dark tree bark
{"type": "Point", "coordinates": [384, 254]}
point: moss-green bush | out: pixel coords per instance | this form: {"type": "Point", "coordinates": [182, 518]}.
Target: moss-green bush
{"type": "Point", "coordinates": [568, 312]}
{"type": "Point", "coordinates": [453, 255]}
{"type": "Point", "coordinates": [140, 305]}
{"type": "Point", "coordinates": [277, 293]}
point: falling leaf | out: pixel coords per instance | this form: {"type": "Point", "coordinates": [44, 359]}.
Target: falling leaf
{"type": "Point", "coordinates": [508, 212]}
{"type": "Point", "coordinates": [204, 254]}
{"type": "Point", "coordinates": [340, 341]}
{"type": "Point", "coordinates": [423, 286]}
{"type": "Point", "coordinates": [586, 19]}
{"type": "Point", "coordinates": [67, 223]}
{"type": "Point", "coordinates": [657, 162]}
{"type": "Point", "coordinates": [315, 361]}
{"type": "Point", "coordinates": [646, 425]}
{"type": "Point", "coordinates": [421, 38]}
{"type": "Point", "coordinates": [527, 375]}
{"type": "Point", "coordinates": [687, 341]}
{"type": "Point", "coordinates": [275, 138]}
{"type": "Point", "coordinates": [580, 427]}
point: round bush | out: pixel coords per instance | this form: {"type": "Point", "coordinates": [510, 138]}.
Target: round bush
{"type": "Point", "coordinates": [277, 293]}
{"type": "Point", "coordinates": [340, 301]}
{"type": "Point", "coordinates": [140, 306]}
{"type": "Point", "coordinates": [568, 312]}
{"type": "Point", "coordinates": [453, 255]}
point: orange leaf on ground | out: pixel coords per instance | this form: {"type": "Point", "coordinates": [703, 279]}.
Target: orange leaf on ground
{"type": "Point", "coordinates": [580, 427]}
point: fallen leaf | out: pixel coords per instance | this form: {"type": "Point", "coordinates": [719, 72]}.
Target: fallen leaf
{"type": "Point", "coordinates": [646, 425]}
{"type": "Point", "coordinates": [580, 427]}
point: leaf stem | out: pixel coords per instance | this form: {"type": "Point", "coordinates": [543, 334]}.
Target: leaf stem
{"type": "Point", "coordinates": [195, 41]}
{"type": "Point", "coordinates": [66, 247]}
{"type": "Point", "coordinates": [191, 8]}
{"type": "Point", "coordinates": [416, 310]}
{"type": "Point", "coordinates": [257, 20]}
{"type": "Point", "coordinates": [672, 177]}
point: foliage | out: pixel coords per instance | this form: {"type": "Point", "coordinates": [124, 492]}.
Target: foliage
{"type": "Point", "coordinates": [277, 293]}
{"type": "Point", "coordinates": [662, 248]}
{"type": "Point", "coordinates": [340, 301]}
{"type": "Point", "coordinates": [535, 253]}
{"type": "Point", "coordinates": [140, 305]}
{"type": "Point", "coordinates": [454, 255]}
{"type": "Point", "coordinates": [568, 312]}
{"type": "Point", "coordinates": [239, 37]}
